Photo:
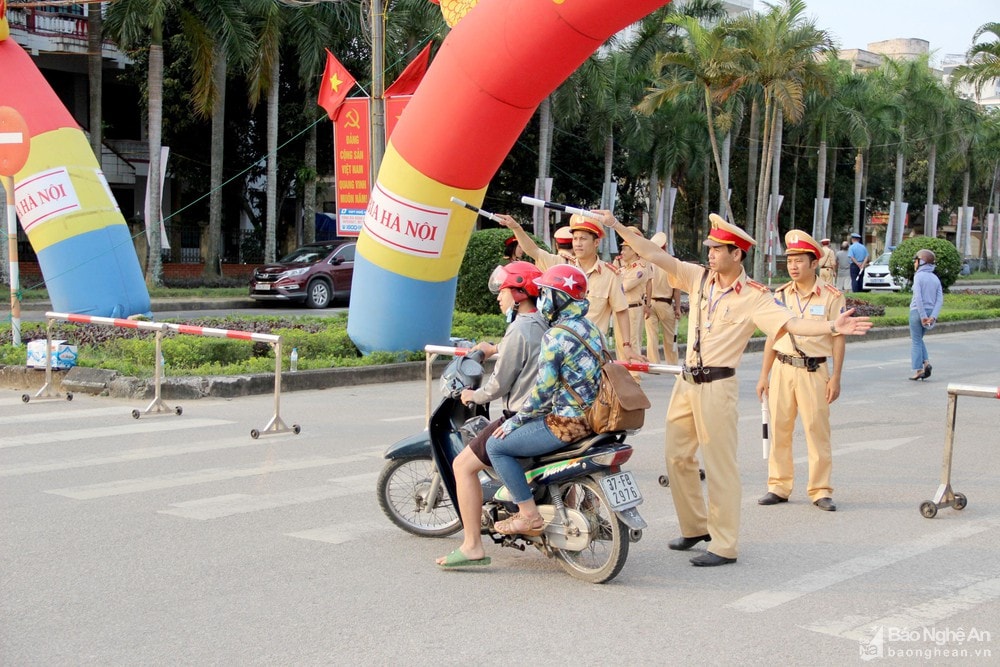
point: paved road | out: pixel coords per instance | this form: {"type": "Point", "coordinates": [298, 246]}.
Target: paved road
{"type": "Point", "coordinates": [180, 540]}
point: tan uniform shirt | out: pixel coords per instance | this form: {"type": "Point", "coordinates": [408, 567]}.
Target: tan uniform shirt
{"type": "Point", "coordinates": [604, 288]}
{"type": "Point", "coordinates": [828, 264]}
{"type": "Point", "coordinates": [728, 315]}
{"type": "Point", "coordinates": [662, 289]}
{"type": "Point", "coordinates": [634, 279]}
{"type": "Point", "coordinates": [824, 302]}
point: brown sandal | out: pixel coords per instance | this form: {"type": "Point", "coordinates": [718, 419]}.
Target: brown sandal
{"type": "Point", "coordinates": [521, 525]}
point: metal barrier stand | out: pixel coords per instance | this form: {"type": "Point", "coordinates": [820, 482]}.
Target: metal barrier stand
{"type": "Point", "coordinates": [946, 496]}
{"type": "Point", "coordinates": [275, 425]}
{"type": "Point", "coordinates": [47, 391]}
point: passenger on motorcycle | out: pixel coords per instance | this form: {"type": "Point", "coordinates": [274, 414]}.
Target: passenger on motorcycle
{"type": "Point", "coordinates": [512, 380]}
{"type": "Point", "coordinates": [553, 414]}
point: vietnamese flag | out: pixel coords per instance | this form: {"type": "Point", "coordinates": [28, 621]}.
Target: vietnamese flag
{"type": "Point", "coordinates": [410, 77]}
{"type": "Point", "coordinates": [337, 81]}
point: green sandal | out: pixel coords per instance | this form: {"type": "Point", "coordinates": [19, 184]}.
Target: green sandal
{"type": "Point", "coordinates": [457, 559]}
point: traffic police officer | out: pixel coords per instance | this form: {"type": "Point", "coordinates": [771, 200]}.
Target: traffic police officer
{"type": "Point", "coordinates": [827, 263]}
{"type": "Point", "coordinates": [564, 242]}
{"type": "Point", "coordinates": [663, 311]}
{"type": "Point", "coordinates": [726, 307]}
{"type": "Point", "coordinates": [635, 277]}
{"type": "Point", "coordinates": [802, 382]}
{"type": "Point", "coordinates": [604, 286]}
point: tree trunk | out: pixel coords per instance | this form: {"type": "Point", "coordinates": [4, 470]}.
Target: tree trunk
{"type": "Point", "coordinates": [929, 225]}
{"type": "Point", "coordinates": [896, 224]}
{"type": "Point", "coordinates": [995, 199]}
{"type": "Point", "coordinates": [859, 171]}
{"type": "Point", "coordinates": [703, 224]}
{"type": "Point", "coordinates": [754, 144]}
{"type": "Point", "coordinates": [213, 240]}
{"type": "Point", "coordinates": [963, 224]}
{"type": "Point", "coordinates": [762, 183]}
{"type": "Point", "coordinates": [724, 178]}
{"type": "Point", "coordinates": [668, 210]}
{"type": "Point", "coordinates": [653, 201]}
{"type": "Point", "coordinates": [95, 75]}
{"type": "Point", "coordinates": [271, 224]}
{"type": "Point", "coordinates": [154, 266]}
{"type": "Point", "coordinates": [793, 195]}
{"type": "Point", "coordinates": [819, 220]}
{"type": "Point", "coordinates": [309, 186]}
{"type": "Point", "coordinates": [715, 146]}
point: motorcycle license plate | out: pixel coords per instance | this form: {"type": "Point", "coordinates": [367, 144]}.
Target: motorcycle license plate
{"type": "Point", "coordinates": [621, 490]}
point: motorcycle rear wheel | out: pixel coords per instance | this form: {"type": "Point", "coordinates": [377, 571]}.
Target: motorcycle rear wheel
{"type": "Point", "coordinates": [605, 556]}
{"type": "Point", "coordinates": [403, 488]}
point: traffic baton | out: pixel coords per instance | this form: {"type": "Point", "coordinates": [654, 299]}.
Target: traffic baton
{"type": "Point", "coordinates": [476, 209]}
{"type": "Point", "coordinates": [765, 420]}
{"type": "Point", "coordinates": [541, 203]}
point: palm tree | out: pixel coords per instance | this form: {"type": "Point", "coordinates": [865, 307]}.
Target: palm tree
{"type": "Point", "coordinates": [781, 50]}
{"type": "Point", "coordinates": [710, 62]}
{"type": "Point", "coordinates": [983, 60]}
{"type": "Point", "coordinates": [141, 24]}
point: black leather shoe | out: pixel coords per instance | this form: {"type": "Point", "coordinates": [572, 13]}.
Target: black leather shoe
{"type": "Point", "coordinates": [708, 559]}
{"type": "Point", "coordinates": [927, 370]}
{"type": "Point", "coordinates": [771, 499]}
{"type": "Point", "coordinates": [826, 504]}
{"type": "Point", "coordinates": [685, 543]}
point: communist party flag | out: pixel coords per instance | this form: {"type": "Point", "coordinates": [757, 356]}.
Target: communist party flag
{"type": "Point", "coordinates": [337, 81]}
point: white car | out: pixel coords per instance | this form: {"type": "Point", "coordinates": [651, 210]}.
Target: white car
{"type": "Point", "coordinates": [877, 277]}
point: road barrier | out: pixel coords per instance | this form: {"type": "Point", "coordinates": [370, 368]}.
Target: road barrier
{"type": "Point", "coordinates": [946, 496]}
{"type": "Point", "coordinates": [157, 405]}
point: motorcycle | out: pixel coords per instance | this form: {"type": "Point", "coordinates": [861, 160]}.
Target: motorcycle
{"type": "Point", "coordinates": [588, 502]}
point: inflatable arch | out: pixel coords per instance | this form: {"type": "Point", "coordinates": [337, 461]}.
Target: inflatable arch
{"type": "Point", "coordinates": [498, 63]}
{"type": "Point", "coordinates": [64, 203]}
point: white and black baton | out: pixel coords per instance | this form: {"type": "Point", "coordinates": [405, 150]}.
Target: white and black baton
{"type": "Point", "coordinates": [765, 421]}
{"type": "Point", "coordinates": [475, 209]}
{"type": "Point", "coordinates": [541, 203]}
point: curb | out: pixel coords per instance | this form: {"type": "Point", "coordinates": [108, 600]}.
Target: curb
{"type": "Point", "coordinates": [180, 303]}
{"type": "Point", "coordinates": [113, 384]}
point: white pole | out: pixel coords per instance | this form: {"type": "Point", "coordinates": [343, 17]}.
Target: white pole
{"type": "Point", "coordinates": [15, 277]}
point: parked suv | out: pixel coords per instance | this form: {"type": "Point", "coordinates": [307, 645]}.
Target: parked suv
{"type": "Point", "coordinates": [317, 273]}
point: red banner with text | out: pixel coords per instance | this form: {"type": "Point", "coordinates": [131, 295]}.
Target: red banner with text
{"type": "Point", "coordinates": [352, 163]}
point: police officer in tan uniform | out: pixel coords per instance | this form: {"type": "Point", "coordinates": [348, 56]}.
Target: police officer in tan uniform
{"type": "Point", "coordinates": [802, 381]}
{"type": "Point", "coordinates": [604, 286]}
{"type": "Point", "coordinates": [635, 277]}
{"type": "Point", "coordinates": [726, 307]}
{"type": "Point", "coordinates": [564, 242]}
{"type": "Point", "coordinates": [828, 263]}
{"type": "Point", "coordinates": [662, 312]}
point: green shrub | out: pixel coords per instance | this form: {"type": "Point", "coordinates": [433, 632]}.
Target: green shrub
{"type": "Point", "coordinates": [483, 254]}
{"type": "Point", "coordinates": [947, 266]}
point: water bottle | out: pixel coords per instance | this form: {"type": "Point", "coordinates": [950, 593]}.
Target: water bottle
{"type": "Point", "coordinates": [294, 360]}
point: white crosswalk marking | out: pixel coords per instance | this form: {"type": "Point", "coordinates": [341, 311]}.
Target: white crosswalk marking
{"type": "Point", "coordinates": [66, 413]}
{"type": "Point", "coordinates": [240, 503]}
{"type": "Point", "coordinates": [855, 567]}
{"type": "Point", "coordinates": [173, 480]}
{"type": "Point", "coordinates": [341, 532]}
{"type": "Point", "coordinates": [137, 428]}
{"type": "Point", "coordinates": [127, 456]}
{"type": "Point", "coordinates": [926, 614]}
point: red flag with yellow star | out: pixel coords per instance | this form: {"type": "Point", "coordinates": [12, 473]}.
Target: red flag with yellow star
{"type": "Point", "coordinates": [337, 81]}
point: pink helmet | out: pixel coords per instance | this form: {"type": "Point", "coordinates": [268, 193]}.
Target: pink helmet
{"type": "Point", "coordinates": [567, 279]}
{"type": "Point", "coordinates": [516, 275]}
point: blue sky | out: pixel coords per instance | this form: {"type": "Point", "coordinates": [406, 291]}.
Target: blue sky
{"type": "Point", "coordinates": [947, 24]}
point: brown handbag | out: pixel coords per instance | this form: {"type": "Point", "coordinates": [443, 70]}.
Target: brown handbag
{"type": "Point", "coordinates": [621, 403]}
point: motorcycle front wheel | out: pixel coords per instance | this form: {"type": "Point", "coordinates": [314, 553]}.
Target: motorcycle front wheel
{"type": "Point", "coordinates": [404, 489]}
{"type": "Point", "coordinates": [604, 557]}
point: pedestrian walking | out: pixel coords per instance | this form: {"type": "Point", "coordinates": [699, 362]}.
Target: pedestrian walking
{"type": "Point", "coordinates": [925, 306]}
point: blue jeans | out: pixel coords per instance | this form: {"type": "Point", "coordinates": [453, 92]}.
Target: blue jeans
{"type": "Point", "coordinates": [918, 351]}
{"type": "Point", "coordinates": [530, 439]}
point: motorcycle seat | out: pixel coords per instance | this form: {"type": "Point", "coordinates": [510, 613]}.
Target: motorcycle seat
{"type": "Point", "coordinates": [580, 446]}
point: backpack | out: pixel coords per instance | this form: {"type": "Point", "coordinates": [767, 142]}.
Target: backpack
{"type": "Point", "coordinates": [621, 403]}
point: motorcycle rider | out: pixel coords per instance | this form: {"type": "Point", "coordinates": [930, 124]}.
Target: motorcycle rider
{"type": "Point", "coordinates": [512, 380]}
{"type": "Point", "coordinates": [567, 383]}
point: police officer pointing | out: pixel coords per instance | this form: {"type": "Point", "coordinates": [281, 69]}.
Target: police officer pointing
{"type": "Point", "coordinates": [726, 308]}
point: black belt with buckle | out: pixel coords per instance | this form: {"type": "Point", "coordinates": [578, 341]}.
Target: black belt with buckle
{"type": "Point", "coordinates": [705, 374]}
{"type": "Point", "coordinates": [809, 363]}
{"type": "Point", "coordinates": [635, 305]}
{"type": "Point", "coordinates": [664, 299]}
